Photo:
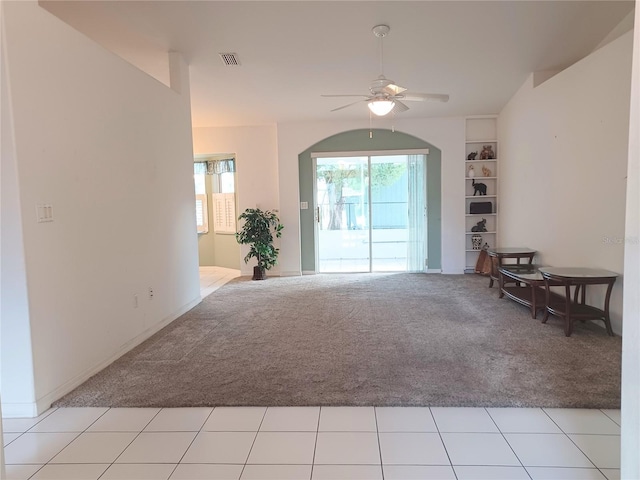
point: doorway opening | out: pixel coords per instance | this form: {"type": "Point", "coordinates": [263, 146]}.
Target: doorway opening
{"type": "Point", "coordinates": [370, 211]}
{"type": "Point", "coordinates": [214, 178]}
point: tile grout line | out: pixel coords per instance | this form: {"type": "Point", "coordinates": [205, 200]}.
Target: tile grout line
{"type": "Point", "coordinates": [571, 440]}
{"type": "Point", "coordinates": [129, 444]}
{"type": "Point", "coordinates": [315, 445]}
{"type": "Point", "coordinates": [581, 451]}
{"type": "Point", "coordinates": [73, 440]}
{"type": "Point", "coordinates": [455, 474]}
{"type": "Point", "coordinates": [507, 442]}
{"type": "Point", "coordinates": [375, 416]}
{"type": "Point", "coordinates": [255, 437]}
{"type": "Point", "coordinates": [608, 416]}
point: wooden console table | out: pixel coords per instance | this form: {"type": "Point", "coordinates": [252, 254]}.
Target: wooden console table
{"type": "Point", "coordinates": [576, 308]}
{"type": "Point", "coordinates": [499, 254]}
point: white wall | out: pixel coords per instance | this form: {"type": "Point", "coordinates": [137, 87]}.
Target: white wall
{"type": "Point", "coordinates": [563, 168]}
{"type": "Point", "coordinates": [15, 331]}
{"type": "Point", "coordinates": [257, 169]}
{"type": "Point", "coordinates": [110, 148]}
{"type": "Point", "coordinates": [630, 441]}
{"type": "Point", "coordinates": [6, 149]}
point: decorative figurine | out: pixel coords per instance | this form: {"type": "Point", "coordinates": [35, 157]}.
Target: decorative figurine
{"type": "Point", "coordinates": [471, 172]}
{"type": "Point", "coordinates": [481, 226]}
{"type": "Point", "coordinates": [485, 246]}
{"type": "Point", "coordinates": [485, 171]}
{"type": "Point", "coordinates": [487, 153]}
{"type": "Point", "coordinates": [480, 188]}
{"type": "Point", "coordinates": [472, 156]}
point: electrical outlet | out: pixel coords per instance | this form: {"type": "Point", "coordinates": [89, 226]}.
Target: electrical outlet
{"type": "Point", "coordinates": [135, 301]}
{"type": "Point", "coordinates": [150, 293]}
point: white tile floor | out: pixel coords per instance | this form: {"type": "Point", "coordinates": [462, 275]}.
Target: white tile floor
{"type": "Point", "coordinates": [212, 278]}
{"type": "Point", "coordinates": [316, 443]}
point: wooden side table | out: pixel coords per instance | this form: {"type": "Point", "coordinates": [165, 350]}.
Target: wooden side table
{"type": "Point", "coordinates": [523, 284]}
{"type": "Point", "coordinates": [499, 254]}
{"type": "Point", "coordinates": [576, 308]}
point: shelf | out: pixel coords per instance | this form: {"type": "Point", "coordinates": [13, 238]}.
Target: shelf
{"type": "Point", "coordinates": [480, 130]}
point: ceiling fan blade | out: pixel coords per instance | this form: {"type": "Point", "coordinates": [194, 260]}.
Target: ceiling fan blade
{"type": "Point", "coordinates": [393, 89]}
{"type": "Point", "coordinates": [399, 107]}
{"type": "Point", "coordinates": [347, 95]}
{"type": "Point", "coordinates": [348, 105]}
{"type": "Point", "coordinates": [421, 97]}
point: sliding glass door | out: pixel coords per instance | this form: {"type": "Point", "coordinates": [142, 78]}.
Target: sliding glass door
{"type": "Point", "coordinates": [342, 214]}
{"type": "Point", "coordinates": [370, 213]}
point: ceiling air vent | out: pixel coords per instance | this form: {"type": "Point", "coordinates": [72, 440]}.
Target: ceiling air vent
{"type": "Point", "coordinates": [230, 59]}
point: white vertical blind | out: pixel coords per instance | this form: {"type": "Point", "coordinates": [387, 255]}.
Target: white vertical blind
{"type": "Point", "coordinates": [202, 215]}
{"type": "Point", "coordinates": [417, 213]}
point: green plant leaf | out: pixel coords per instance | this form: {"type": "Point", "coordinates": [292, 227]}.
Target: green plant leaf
{"type": "Point", "coordinates": [257, 231]}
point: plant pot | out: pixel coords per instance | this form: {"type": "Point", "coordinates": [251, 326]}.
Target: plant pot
{"type": "Point", "coordinates": [259, 273]}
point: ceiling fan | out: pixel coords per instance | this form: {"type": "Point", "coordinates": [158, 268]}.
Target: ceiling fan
{"type": "Point", "coordinates": [385, 96]}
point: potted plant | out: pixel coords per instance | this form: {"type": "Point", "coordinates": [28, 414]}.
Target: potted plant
{"type": "Point", "coordinates": [258, 231]}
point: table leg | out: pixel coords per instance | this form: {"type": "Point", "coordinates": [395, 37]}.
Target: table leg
{"type": "Point", "coordinates": [568, 325]}
{"type": "Point", "coordinates": [533, 301]}
{"type": "Point", "coordinates": [607, 298]}
{"type": "Point", "coordinates": [546, 316]}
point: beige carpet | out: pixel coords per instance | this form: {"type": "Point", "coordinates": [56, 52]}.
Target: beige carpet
{"type": "Point", "coordinates": [362, 339]}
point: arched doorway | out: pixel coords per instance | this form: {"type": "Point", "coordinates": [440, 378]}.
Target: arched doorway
{"type": "Point", "coordinates": [384, 143]}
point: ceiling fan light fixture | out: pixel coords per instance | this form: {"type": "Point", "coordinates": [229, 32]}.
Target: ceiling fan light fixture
{"type": "Point", "coordinates": [381, 107]}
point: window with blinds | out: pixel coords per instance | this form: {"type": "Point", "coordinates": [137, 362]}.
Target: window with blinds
{"type": "Point", "coordinates": [218, 176]}
{"type": "Point", "coordinates": [224, 212]}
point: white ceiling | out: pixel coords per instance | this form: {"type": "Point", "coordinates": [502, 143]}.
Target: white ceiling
{"type": "Point", "coordinates": [478, 52]}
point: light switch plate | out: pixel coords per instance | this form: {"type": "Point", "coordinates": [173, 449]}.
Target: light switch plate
{"type": "Point", "coordinates": [304, 205]}
{"type": "Point", "coordinates": [44, 213]}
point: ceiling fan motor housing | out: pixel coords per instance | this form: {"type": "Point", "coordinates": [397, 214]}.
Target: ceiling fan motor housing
{"type": "Point", "coordinates": [378, 85]}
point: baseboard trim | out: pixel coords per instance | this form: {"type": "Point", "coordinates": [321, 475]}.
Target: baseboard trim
{"type": "Point", "coordinates": [290, 273]}
{"type": "Point", "coordinates": [433, 270]}
{"type": "Point", "coordinates": [44, 402]}
{"type": "Point", "coordinates": [308, 272]}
